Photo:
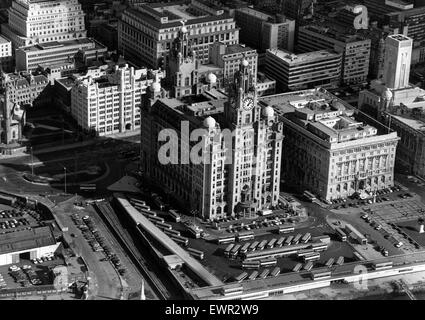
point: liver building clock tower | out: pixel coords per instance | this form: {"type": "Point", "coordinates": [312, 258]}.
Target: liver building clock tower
{"type": "Point", "coordinates": [254, 174]}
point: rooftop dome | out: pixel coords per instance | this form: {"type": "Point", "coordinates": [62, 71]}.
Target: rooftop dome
{"type": "Point", "coordinates": [387, 94]}
{"type": "Point", "coordinates": [156, 86]}
{"type": "Point", "coordinates": [212, 78]}
{"type": "Point", "coordinates": [209, 122]}
{"type": "Point", "coordinates": [268, 112]}
{"type": "Point", "coordinates": [338, 105]}
{"type": "Point", "coordinates": [245, 63]}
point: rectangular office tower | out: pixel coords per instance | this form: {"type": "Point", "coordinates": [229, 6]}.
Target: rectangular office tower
{"type": "Point", "coordinates": [303, 71]}
{"type": "Point", "coordinates": [327, 150]}
{"type": "Point", "coordinates": [40, 21]}
{"type": "Point", "coordinates": [398, 57]}
{"type": "Point", "coordinates": [355, 50]}
{"type": "Point", "coordinates": [263, 31]}
{"type": "Point", "coordinates": [110, 103]}
{"type": "Point", "coordinates": [232, 168]}
{"type": "Point", "coordinates": [399, 105]}
{"type": "Point", "coordinates": [146, 31]}
{"type": "Point", "coordinates": [57, 53]}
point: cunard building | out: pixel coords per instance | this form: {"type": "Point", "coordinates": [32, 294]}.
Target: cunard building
{"type": "Point", "coordinates": [238, 142]}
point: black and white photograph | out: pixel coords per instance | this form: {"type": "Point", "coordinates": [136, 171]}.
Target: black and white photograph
{"type": "Point", "coordinates": [212, 158]}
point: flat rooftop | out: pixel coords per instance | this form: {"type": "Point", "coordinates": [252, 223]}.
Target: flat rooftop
{"type": "Point", "coordinates": [287, 102]}
{"type": "Point", "coordinates": [26, 240]}
{"type": "Point", "coordinates": [294, 59]}
{"type": "Point", "coordinates": [400, 37]}
{"type": "Point", "coordinates": [415, 123]}
{"type": "Point", "coordinates": [56, 44]}
{"type": "Point", "coordinates": [237, 48]}
{"type": "Point", "coordinates": [327, 29]}
{"type": "Point", "coordinates": [4, 40]}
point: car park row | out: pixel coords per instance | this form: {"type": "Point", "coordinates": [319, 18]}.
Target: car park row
{"type": "Point", "coordinates": [96, 241]}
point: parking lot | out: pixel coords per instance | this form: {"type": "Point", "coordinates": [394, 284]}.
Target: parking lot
{"type": "Point", "coordinates": [96, 240]}
{"type": "Point", "coordinates": [398, 212]}
{"type": "Point", "coordinates": [28, 273]}
{"type": "Point", "coordinates": [16, 218]}
{"type": "Point", "coordinates": [395, 193]}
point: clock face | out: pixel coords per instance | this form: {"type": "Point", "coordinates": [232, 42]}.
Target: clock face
{"type": "Point", "coordinates": [248, 103]}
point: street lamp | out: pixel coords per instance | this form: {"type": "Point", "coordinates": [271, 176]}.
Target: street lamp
{"type": "Point", "coordinates": [64, 168]}
{"type": "Point", "coordinates": [32, 163]}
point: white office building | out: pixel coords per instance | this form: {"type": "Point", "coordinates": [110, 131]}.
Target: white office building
{"type": "Point", "coordinates": [110, 103]}
{"type": "Point", "coordinates": [40, 21]}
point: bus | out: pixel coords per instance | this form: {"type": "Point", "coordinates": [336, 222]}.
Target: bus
{"type": "Point", "coordinates": [304, 252]}
{"type": "Point", "coordinates": [261, 245]}
{"type": "Point", "coordinates": [268, 262]}
{"type": "Point", "coordinates": [286, 229]}
{"type": "Point", "coordinates": [340, 261]}
{"type": "Point", "coordinates": [241, 277]}
{"type": "Point", "coordinates": [253, 275]}
{"type": "Point", "coordinates": [288, 241]}
{"type": "Point", "coordinates": [134, 201]}
{"type": "Point", "coordinates": [244, 236]}
{"type": "Point", "coordinates": [227, 250]}
{"type": "Point", "coordinates": [245, 248]}
{"type": "Point", "coordinates": [298, 267]}
{"type": "Point", "coordinates": [163, 225]}
{"type": "Point", "coordinates": [342, 236]}
{"type": "Point", "coordinates": [276, 252]}
{"type": "Point", "coordinates": [196, 253]}
{"type": "Point", "coordinates": [156, 219]}
{"type": "Point", "coordinates": [311, 257]}
{"type": "Point", "coordinates": [271, 243]}
{"type": "Point", "coordinates": [251, 264]}
{"type": "Point", "coordinates": [226, 239]}
{"type": "Point", "coordinates": [253, 246]}
{"type": "Point", "coordinates": [171, 232]}
{"type": "Point", "coordinates": [91, 187]}
{"type": "Point", "coordinates": [264, 274]}
{"type": "Point", "coordinates": [275, 272]}
{"type": "Point", "coordinates": [306, 238]}
{"type": "Point", "coordinates": [141, 207]}
{"type": "Point", "coordinates": [297, 238]}
{"type": "Point", "coordinates": [231, 290]}
{"type": "Point", "coordinates": [174, 215]}
{"type": "Point", "coordinates": [319, 247]}
{"type": "Point", "coordinates": [148, 213]}
{"type": "Point", "coordinates": [180, 240]}
{"type": "Point", "coordinates": [309, 196]}
{"type": "Point", "coordinates": [194, 231]}
{"type": "Point", "coordinates": [382, 265]}
{"type": "Point", "coordinates": [330, 262]}
{"type": "Point", "coordinates": [320, 275]}
{"type": "Point", "coordinates": [308, 266]}
{"type": "Point", "coordinates": [234, 251]}
{"type": "Point", "coordinates": [279, 242]}
{"type": "Point", "coordinates": [358, 256]}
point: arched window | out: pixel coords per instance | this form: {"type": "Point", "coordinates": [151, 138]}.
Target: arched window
{"type": "Point", "coordinates": [248, 118]}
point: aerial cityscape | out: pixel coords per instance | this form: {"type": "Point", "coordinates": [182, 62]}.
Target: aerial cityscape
{"type": "Point", "coordinates": [212, 150]}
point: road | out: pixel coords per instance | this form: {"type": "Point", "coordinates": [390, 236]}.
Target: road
{"type": "Point", "coordinates": [105, 278]}
{"type": "Point", "coordinates": [106, 281]}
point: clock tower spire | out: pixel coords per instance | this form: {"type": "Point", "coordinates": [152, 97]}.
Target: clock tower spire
{"type": "Point", "coordinates": [241, 108]}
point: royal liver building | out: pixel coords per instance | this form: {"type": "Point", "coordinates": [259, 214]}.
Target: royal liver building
{"type": "Point", "coordinates": [239, 144]}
